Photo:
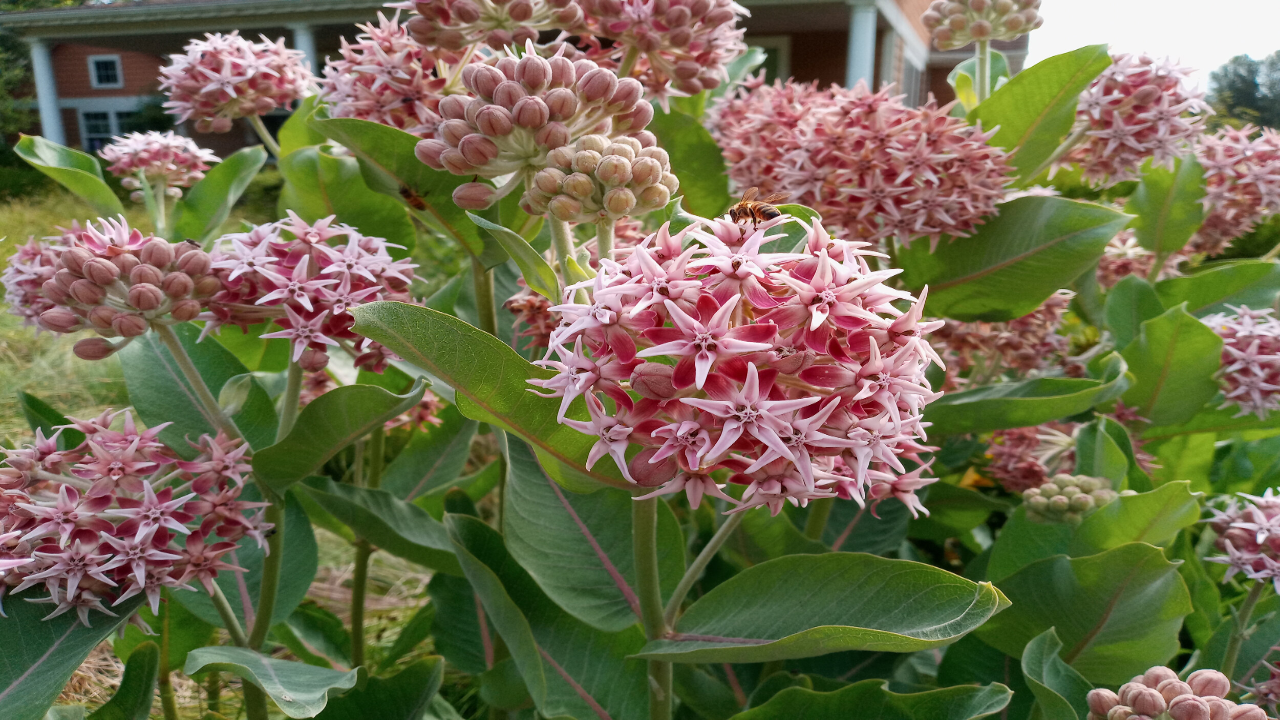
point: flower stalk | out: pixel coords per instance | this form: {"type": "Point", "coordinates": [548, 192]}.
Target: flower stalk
{"type": "Point", "coordinates": [364, 551]}
{"type": "Point", "coordinates": [644, 516]}
{"type": "Point", "coordinates": [699, 564]}
{"type": "Point", "coordinates": [273, 147]}
{"type": "Point", "coordinates": [164, 680]}
{"type": "Point", "coordinates": [485, 305]}
{"type": "Point", "coordinates": [983, 81]}
{"type": "Point", "coordinates": [212, 411]}
{"type": "Point", "coordinates": [819, 512]}
{"type": "Point", "coordinates": [1243, 615]}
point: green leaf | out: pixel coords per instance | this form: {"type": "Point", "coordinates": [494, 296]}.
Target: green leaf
{"type": "Point", "coordinates": [810, 605]}
{"type": "Point", "coordinates": [696, 160]}
{"type": "Point", "coordinates": [389, 166]}
{"type": "Point", "coordinates": [73, 170]}
{"type": "Point", "coordinates": [794, 235]}
{"type": "Point", "coordinates": [763, 537]}
{"type": "Point", "coordinates": [854, 529]}
{"type": "Point", "coordinates": [872, 699]}
{"type": "Point", "coordinates": [40, 655]}
{"type": "Point", "coordinates": [1013, 263]}
{"type": "Point", "coordinates": [502, 687]}
{"type": "Point", "coordinates": [962, 78]}
{"type": "Point", "coordinates": [1022, 542]}
{"type": "Point", "coordinates": [132, 699]}
{"type": "Point", "coordinates": [1173, 361]}
{"type": "Point", "coordinates": [476, 486]}
{"type": "Point", "coordinates": [1022, 404]}
{"type": "Point", "coordinates": [160, 393]}
{"type": "Point", "coordinates": [1129, 304]}
{"type": "Point", "coordinates": [457, 631]}
{"type": "Point", "coordinates": [1060, 691]}
{"type": "Point", "coordinates": [42, 416]}
{"type": "Point", "coordinates": [568, 667]}
{"type": "Point", "coordinates": [433, 458]}
{"type": "Point", "coordinates": [490, 381]}
{"type": "Point", "coordinates": [578, 548]}
{"type": "Point", "coordinates": [327, 425]}
{"type": "Point", "coordinates": [403, 697]}
{"type": "Point", "coordinates": [411, 635]}
{"type": "Point", "coordinates": [1167, 205]}
{"type": "Point", "coordinates": [390, 524]}
{"type": "Point", "coordinates": [973, 662]}
{"type": "Point", "coordinates": [295, 576]}
{"type": "Point", "coordinates": [319, 185]}
{"type": "Point", "coordinates": [321, 631]}
{"type": "Point", "coordinates": [1205, 597]}
{"type": "Point", "coordinates": [538, 275]}
{"type": "Point", "coordinates": [440, 709]}
{"type": "Point", "coordinates": [186, 632]}
{"type": "Point", "coordinates": [1037, 108]}
{"type": "Point", "coordinates": [953, 512]}
{"type": "Point", "coordinates": [258, 355]}
{"type": "Point", "coordinates": [297, 132]}
{"type": "Point", "coordinates": [205, 206]}
{"type": "Point", "coordinates": [706, 695]}
{"type": "Point", "coordinates": [1118, 612]}
{"type": "Point", "coordinates": [1210, 421]}
{"type": "Point", "coordinates": [300, 691]}
{"type": "Point", "coordinates": [1099, 455]}
{"type": "Point", "coordinates": [1258, 646]}
{"type": "Point", "coordinates": [1216, 285]}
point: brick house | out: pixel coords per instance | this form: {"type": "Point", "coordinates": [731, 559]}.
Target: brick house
{"type": "Point", "coordinates": [96, 64]}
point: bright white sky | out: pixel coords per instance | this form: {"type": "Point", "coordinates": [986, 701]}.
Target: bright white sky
{"type": "Point", "coordinates": [1201, 33]}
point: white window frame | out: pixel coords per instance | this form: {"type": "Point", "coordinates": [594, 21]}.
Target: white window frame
{"type": "Point", "coordinates": [93, 72]}
{"type": "Point", "coordinates": [781, 43]}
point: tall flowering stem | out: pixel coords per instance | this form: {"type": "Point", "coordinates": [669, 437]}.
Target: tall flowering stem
{"type": "Point", "coordinates": [1243, 615]}
{"type": "Point", "coordinates": [983, 55]}
{"type": "Point", "coordinates": [212, 411]}
{"type": "Point", "coordinates": [699, 564]}
{"type": "Point", "coordinates": [644, 522]}
{"type": "Point", "coordinates": [364, 551]}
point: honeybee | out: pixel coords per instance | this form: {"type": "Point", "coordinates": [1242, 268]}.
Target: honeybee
{"type": "Point", "coordinates": [750, 211]}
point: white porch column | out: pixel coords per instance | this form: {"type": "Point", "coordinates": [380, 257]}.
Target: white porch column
{"type": "Point", "coordinates": [860, 63]}
{"type": "Point", "coordinates": [46, 92]}
{"type": "Point", "coordinates": [304, 39]}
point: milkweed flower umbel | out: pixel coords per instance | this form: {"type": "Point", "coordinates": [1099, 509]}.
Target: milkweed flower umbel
{"type": "Point", "coordinates": [957, 23]}
{"type": "Point", "coordinates": [1250, 374]}
{"type": "Point", "coordinates": [165, 159]}
{"type": "Point", "coordinates": [1242, 184]}
{"type": "Point", "coordinates": [795, 372]}
{"type": "Point", "coordinates": [456, 24]}
{"type": "Point", "coordinates": [225, 77]}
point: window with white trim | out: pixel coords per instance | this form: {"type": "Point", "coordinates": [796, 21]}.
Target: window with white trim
{"type": "Point", "coordinates": [777, 49]}
{"type": "Point", "coordinates": [97, 130]}
{"type": "Point", "coordinates": [105, 72]}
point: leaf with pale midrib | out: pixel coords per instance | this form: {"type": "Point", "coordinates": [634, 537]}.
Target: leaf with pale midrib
{"type": "Point", "coordinates": [872, 699]}
{"type": "Point", "coordinates": [299, 690]}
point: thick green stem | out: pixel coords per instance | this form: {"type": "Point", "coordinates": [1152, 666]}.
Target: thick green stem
{"type": "Point", "coordinates": [213, 693]}
{"type": "Point", "coordinates": [270, 576]}
{"type": "Point", "coordinates": [1080, 133]}
{"type": "Point", "coordinates": [604, 238]}
{"type": "Point", "coordinates": [359, 589]}
{"type": "Point", "coordinates": [213, 411]}
{"type": "Point", "coordinates": [377, 451]}
{"type": "Point", "coordinates": [1271, 254]}
{"type": "Point", "coordinates": [819, 511]}
{"type": "Point", "coordinates": [628, 61]}
{"type": "Point", "coordinates": [1243, 615]}
{"type": "Point", "coordinates": [984, 70]}
{"type": "Point", "coordinates": [644, 521]}
{"type": "Point", "coordinates": [485, 306]}
{"type": "Point", "coordinates": [699, 564]}
{"type": "Point", "coordinates": [255, 703]}
{"type": "Point", "coordinates": [1156, 267]}
{"type": "Point", "coordinates": [265, 135]}
{"type": "Point", "coordinates": [289, 401]}
{"type": "Point", "coordinates": [228, 616]}
{"type": "Point", "coordinates": [164, 679]}
{"type": "Point", "coordinates": [562, 243]}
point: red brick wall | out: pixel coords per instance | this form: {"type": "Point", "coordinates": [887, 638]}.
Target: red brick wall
{"type": "Point", "coordinates": [818, 56]}
{"type": "Point", "coordinates": [71, 126]}
{"type": "Point", "coordinates": [913, 9]}
{"type": "Point", "coordinates": [71, 67]}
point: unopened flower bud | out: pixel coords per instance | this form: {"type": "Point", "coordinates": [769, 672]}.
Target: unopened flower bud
{"type": "Point", "coordinates": [520, 10]}
{"type": "Point", "coordinates": [195, 263]}
{"type": "Point", "coordinates": [207, 285]}
{"type": "Point", "coordinates": [563, 207]}
{"type": "Point", "coordinates": [1172, 688]}
{"type": "Point", "coordinates": [74, 260]}
{"type": "Point", "coordinates": [563, 73]}
{"type": "Point", "coordinates": [1081, 503]}
{"type": "Point", "coordinates": [534, 72]}
{"type": "Point", "coordinates": [1101, 700]}
{"type": "Point", "coordinates": [125, 263]}
{"type": "Point", "coordinates": [654, 197]}
{"type": "Point", "coordinates": [177, 285]}
{"type": "Point", "coordinates": [1121, 712]}
{"type": "Point", "coordinates": [313, 360]}
{"type": "Point", "coordinates": [474, 196]}
{"type": "Point", "coordinates": [137, 196]}
{"type": "Point", "coordinates": [94, 349]}
{"type": "Point", "coordinates": [60, 320]}
{"type": "Point", "coordinates": [645, 172]}
{"type": "Point", "coordinates": [483, 81]}
{"type": "Point", "coordinates": [579, 185]}
{"type": "Point", "coordinates": [658, 154]}
{"type": "Point", "coordinates": [653, 380]}
{"type": "Point", "coordinates": [158, 252]}
{"type": "Point", "coordinates": [613, 170]}
{"type": "Point", "coordinates": [146, 297]}
{"type": "Point", "coordinates": [651, 474]}
{"type": "Point", "coordinates": [1156, 675]}
{"type": "Point", "coordinates": [548, 180]}
{"type": "Point", "coordinates": [1188, 707]}
{"type": "Point", "coordinates": [1208, 682]}
{"type": "Point", "coordinates": [477, 149]}
{"type": "Point", "coordinates": [101, 316]}
{"type": "Point", "coordinates": [597, 85]}
{"type": "Point", "coordinates": [619, 201]}
{"type": "Point", "coordinates": [86, 292]}
{"type": "Point", "coordinates": [628, 93]}
{"type": "Point", "coordinates": [453, 107]}
{"type": "Point", "coordinates": [562, 158]}
{"type": "Point", "coordinates": [595, 143]}
{"type": "Point", "coordinates": [531, 112]}
{"type": "Point", "coordinates": [185, 310]}
{"type": "Point", "coordinates": [562, 103]}
{"type": "Point", "coordinates": [146, 274]}
{"type": "Point", "coordinates": [1248, 712]}
{"type": "Point", "coordinates": [638, 118]}
{"type": "Point", "coordinates": [455, 162]}
{"type": "Point", "coordinates": [552, 135]}
{"type": "Point", "coordinates": [129, 325]}
{"type": "Point", "coordinates": [621, 149]}
{"type": "Point", "coordinates": [979, 5]}
{"type": "Point", "coordinates": [981, 30]}
{"type": "Point", "coordinates": [508, 93]}
{"type": "Point", "coordinates": [671, 182]}
{"type": "Point", "coordinates": [585, 161]}
{"type": "Point", "coordinates": [494, 121]}
{"type": "Point", "coordinates": [1147, 702]}
{"type": "Point", "coordinates": [101, 271]}
{"type": "Point", "coordinates": [428, 153]}
{"type": "Point", "coordinates": [1219, 709]}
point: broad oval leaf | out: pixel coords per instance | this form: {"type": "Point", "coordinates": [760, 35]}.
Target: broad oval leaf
{"type": "Point", "coordinates": [568, 667]}
{"type": "Point", "coordinates": [489, 379]}
{"type": "Point", "coordinates": [1117, 613]}
{"type": "Point", "coordinates": [808, 605]}
{"type": "Point", "coordinates": [414, 632]}
{"type": "Point", "coordinates": [1215, 285]}
{"type": "Point", "coordinates": [327, 425]}
{"type": "Point", "coordinates": [390, 524]}
{"type": "Point", "coordinates": [578, 548]}
{"type": "Point", "coordinates": [872, 699]}
{"type": "Point", "coordinates": [40, 655]}
{"type": "Point", "coordinates": [1060, 691]}
{"type": "Point", "coordinates": [299, 690]}
{"type": "Point", "coordinates": [319, 184]}
{"type": "Point", "coordinates": [696, 160]}
{"type": "Point", "coordinates": [1129, 304]}
{"type": "Point", "coordinates": [433, 458]}
{"type": "Point", "coordinates": [1209, 421]}
{"type": "Point", "coordinates": [403, 697]}
{"type": "Point", "coordinates": [296, 132]}
{"type": "Point", "coordinates": [1167, 205]}
{"type": "Point", "coordinates": [1173, 361]}
{"type": "Point", "coordinates": [44, 417]}
{"type": "Point", "coordinates": [1036, 109]}
{"type": "Point", "coordinates": [76, 171]}
{"type": "Point", "coordinates": [1099, 455]}
{"type": "Point", "coordinates": [206, 205]}
{"type": "Point", "coordinates": [132, 699]}
{"type": "Point", "coordinates": [463, 634]}
{"type": "Point", "coordinates": [1013, 263]}
{"type": "Point", "coordinates": [538, 275]}
{"type": "Point", "coordinates": [1021, 404]}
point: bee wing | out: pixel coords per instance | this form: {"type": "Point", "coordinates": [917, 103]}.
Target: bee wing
{"type": "Point", "coordinates": [750, 194]}
{"type": "Point", "coordinates": [776, 198]}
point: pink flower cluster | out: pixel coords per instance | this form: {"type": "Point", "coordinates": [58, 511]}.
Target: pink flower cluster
{"type": "Point", "coordinates": [166, 161]}
{"type": "Point", "coordinates": [1123, 257]}
{"type": "Point", "coordinates": [1248, 529]}
{"type": "Point", "coordinates": [957, 23]}
{"type": "Point", "coordinates": [521, 110]}
{"type": "Point", "coordinates": [1022, 345]}
{"type": "Point", "coordinates": [120, 515]}
{"type": "Point", "coordinates": [111, 279]}
{"type": "Point", "coordinates": [225, 77]}
{"type": "Point", "coordinates": [1250, 372]}
{"type": "Point", "coordinates": [871, 166]}
{"type": "Point", "coordinates": [1138, 108]}
{"type": "Point", "coordinates": [1242, 185]}
{"type": "Point", "coordinates": [289, 272]}
{"type": "Point", "coordinates": [457, 24]}
{"type": "Point", "coordinates": [1025, 458]}
{"type": "Point", "coordinates": [791, 370]}
{"type": "Point", "coordinates": [387, 77]}
{"type": "Point", "coordinates": [1160, 693]}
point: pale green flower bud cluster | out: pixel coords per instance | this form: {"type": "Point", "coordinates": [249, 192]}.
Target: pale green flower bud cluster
{"type": "Point", "coordinates": [598, 178]}
{"type": "Point", "coordinates": [1159, 694]}
{"type": "Point", "coordinates": [1068, 498]}
{"type": "Point", "coordinates": [956, 23]}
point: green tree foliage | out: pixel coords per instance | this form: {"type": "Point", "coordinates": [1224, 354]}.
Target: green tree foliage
{"type": "Point", "coordinates": [1245, 91]}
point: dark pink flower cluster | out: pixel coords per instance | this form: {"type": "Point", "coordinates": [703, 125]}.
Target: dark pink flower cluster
{"type": "Point", "coordinates": [957, 23]}
{"type": "Point", "coordinates": [457, 24]}
{"type": "Point", "coordinates": [120, 515]}
{"type": "Point", "coordinates": [1250, 374]}
{"type": "Point", "coordinates": [113, 280]}
{"type": "Point", "coordinates": [166, 161]}
{"type": "Point", "coordinates": [1026, 457]}
{"type": "Point", "coordinates": [291, 272]}
{"type": "Point", "coordinates": [521, 110]}
{"type": "Point", "coordinates": [1022, 345]}
{"type": "Point", "coordinates": [1242, 185]}
{"type": "Point", "coordinates": [792, 370]}
{"type": "Point", "coordinates": [1138, 109]}
{"type": "Point", "coordinates": [387, 77]}
{"type": "Point", "coordinates": [225, 77]}
{"type": "Point", "coordinates": [1248, 529]}
{"type": "Point", "coordinates": [1160, 693]}
{"type": "Point", "coordinates": [28, 269]}
{"type": "Point", "coordinates": [1123, 257]}
{"type": "Point", "coordinates": [871, 166]}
